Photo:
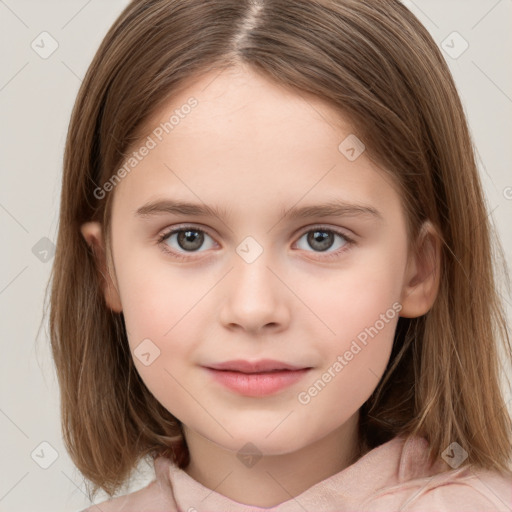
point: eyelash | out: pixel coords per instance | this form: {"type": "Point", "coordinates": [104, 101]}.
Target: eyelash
{"type": "Point", "coordinates": [165, 248]}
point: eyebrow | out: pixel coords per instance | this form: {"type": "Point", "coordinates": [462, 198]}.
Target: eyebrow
{"type": "Point", "coordinates": [333, 208]}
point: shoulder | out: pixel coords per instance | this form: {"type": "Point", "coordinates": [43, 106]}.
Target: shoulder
{"type": "Point", "coordinates": [416, 486]}
{"type": "Point", "coordinates": [467, 490]}
{"type": "Point", "coordinates": [155, 496]}
{"type": "Point", "coordinates": [137, 500]}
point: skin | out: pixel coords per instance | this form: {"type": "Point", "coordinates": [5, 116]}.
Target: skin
{"type": "Point", "coordinates": [255, 148]}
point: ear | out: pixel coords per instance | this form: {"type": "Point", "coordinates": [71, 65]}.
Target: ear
{"type": "Point", "coordinates": [93, 235]}
{"type": "Point", "coordinates": [421, 282]}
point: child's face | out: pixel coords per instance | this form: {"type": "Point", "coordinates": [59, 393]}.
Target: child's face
{"type": "Point", "coordinates": [255, 151]}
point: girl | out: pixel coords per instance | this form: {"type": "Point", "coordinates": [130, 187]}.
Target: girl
{"type": "Point", "coordinates": [273, 275]}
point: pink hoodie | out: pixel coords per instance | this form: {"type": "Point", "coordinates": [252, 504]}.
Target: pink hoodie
{"type": "Point", "coordinates": [392, 477]}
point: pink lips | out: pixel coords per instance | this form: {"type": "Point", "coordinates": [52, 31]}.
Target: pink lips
{"type": "Point", "coordinates": [257, 378]}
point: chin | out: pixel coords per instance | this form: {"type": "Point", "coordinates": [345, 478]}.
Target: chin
{"type": "Point", "coordinates": [260, 441]}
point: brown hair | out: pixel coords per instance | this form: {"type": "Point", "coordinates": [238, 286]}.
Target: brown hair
{"type": "Point", "coordinates": [375, 63]}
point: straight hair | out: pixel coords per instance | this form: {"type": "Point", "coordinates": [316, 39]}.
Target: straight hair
{"type": "Point", "coordinates": [372, 62]}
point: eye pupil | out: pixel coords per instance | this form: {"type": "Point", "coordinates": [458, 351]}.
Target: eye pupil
{"type": "Point", "coordinates": [188, 236]}
{"type": "Point", "coordinates": [324, 238]}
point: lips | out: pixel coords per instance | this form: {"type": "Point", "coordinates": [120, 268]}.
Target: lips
{"type": "Point", "coordinates": [256, 378]}
{"type": "Point", "coordinates": [261, 366]}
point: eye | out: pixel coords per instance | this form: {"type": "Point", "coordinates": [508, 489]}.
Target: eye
{"type": "Point", "coordinates": [187, 239]}
{"type": "Point", "coordinates": [322, 238]}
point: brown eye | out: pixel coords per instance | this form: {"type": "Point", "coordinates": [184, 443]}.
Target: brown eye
{"type": "Point", "coordinates": [190, 240]}
{"type": "Point", "coordinates": [180, 241]}
{"type": "Point", "coordinates": [322, 239]}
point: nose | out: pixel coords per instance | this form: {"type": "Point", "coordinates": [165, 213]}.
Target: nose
{"type": "Point", "coordinates": [255, 298]}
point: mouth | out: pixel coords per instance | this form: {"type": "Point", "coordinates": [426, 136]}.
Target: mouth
{"type": "Point", "coordinates": [261, 366]}
{"type": "Point", "coordinates": [256, 379]}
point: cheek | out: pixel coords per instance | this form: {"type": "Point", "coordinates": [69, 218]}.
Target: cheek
{"type": "Point", "coordinates": [156, 298]}
{"type": "Point", "coordinates": [160, 312]}
{"type": "Point", "coordinates": [356, 354]}
{"type": "Point", "coordinates": [360, 310]}
{"type": "Point", "coordinates": [350, 299]}
{"type": "Point", "coordinates": [168, 307]}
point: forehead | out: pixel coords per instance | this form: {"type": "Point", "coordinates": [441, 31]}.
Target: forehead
{"type": "Point", "coordinates": [235, 136]}
{"type": "Point", "coordinates": [236, 104]}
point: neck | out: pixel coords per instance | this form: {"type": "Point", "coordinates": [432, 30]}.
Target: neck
{"type": "Point", "coordinates": [274, 478]}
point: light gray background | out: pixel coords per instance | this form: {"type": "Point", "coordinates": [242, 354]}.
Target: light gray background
{"type": "Point", "coordinates": [36, 97]}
